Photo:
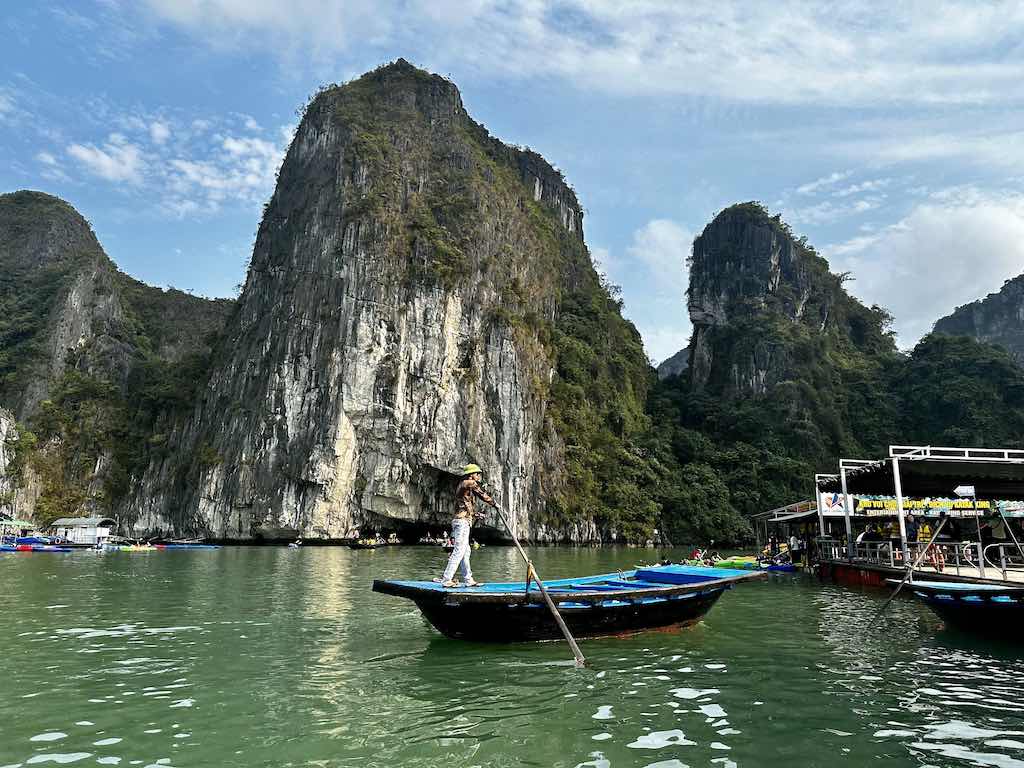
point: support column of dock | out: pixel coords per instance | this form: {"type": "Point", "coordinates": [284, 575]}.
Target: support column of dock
{"type": "Point", "coordinates": [898, 486]}
{"type": "Point", "coordinates": [847, 511]}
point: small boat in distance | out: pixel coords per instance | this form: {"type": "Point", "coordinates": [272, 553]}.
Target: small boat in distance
{"type": "Point", "coordinates": [592, 606]}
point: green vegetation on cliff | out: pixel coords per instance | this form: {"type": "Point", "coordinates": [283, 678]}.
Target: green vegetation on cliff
{"type": "Point", "coordinates": [92, 401]}
{"type": "Point", "coordinates": [791, 373]}
{"type": "Point", "coordinates": [490, 219]}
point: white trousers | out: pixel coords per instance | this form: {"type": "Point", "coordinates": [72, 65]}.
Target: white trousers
{"type": "Point", "coordinates": [460, 555]}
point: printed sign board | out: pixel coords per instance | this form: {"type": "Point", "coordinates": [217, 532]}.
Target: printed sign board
{"type": "Point", "coordinates": [885, 506]}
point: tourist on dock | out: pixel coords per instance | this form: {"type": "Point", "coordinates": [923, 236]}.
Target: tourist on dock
{"type": "Point", "coordinates": [924, 532]}
{"type": "Point", "coordinates": [465, 511]}
{"type": "Point", "coordinates": [911, 525]}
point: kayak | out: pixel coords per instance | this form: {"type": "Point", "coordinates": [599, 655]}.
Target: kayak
{"type": "Point", "coordinates": [33, 548]}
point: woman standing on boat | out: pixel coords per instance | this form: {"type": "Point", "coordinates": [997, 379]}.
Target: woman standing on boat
{"type": "Point", "coordinates": [465, 512]}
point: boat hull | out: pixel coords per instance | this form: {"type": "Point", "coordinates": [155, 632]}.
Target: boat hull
{"type": "Point", "coordinates": [526, 622]}
{"type": "Point", "coordinates": [983, 608]}
{"type": "Point", "coordinates": [655, 597]}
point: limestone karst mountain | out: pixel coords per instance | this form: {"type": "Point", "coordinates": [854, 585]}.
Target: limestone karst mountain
{"type": "Point", "coordinates": [419, 295]}
{"type": "Point", "coordinates": [788, 372]}
{"type": "Point", "coordinates": [88, 358]}
{"type": "Point", "coordinates": [998, 318]}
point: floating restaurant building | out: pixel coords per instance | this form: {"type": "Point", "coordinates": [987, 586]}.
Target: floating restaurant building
{"type": "Point", "coordinates": [875, 517]}
{"type": "Point", "coordinates": [92, 531]}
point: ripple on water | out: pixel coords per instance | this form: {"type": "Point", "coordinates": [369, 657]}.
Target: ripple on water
{"type": "Point", "coordinates": [68, 757]}
{"type": "Point", "coordinates": [661, 739]}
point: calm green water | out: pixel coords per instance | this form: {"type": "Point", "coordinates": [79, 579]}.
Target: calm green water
{"type": "Point", "coordinates": [277, 657]}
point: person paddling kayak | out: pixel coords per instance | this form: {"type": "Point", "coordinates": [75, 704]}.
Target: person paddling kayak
{"type": "Point", "coordinates": [465, 512]}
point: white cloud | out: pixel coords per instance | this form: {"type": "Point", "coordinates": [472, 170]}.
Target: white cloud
{"type": "Point", "coordinates": [116, 160]}
{"type": "Point", "coordinates": [183, 166]}
{"type": "Point", "coordinates": [950, 250]}
{"type": "Point", "coordinates": [315, 26]}
{"type": "Point", "coordinates": [663, 246]}
{"type": "Point", "coordinates": [663, 341]}
{"type": "Point", "coordinates": [1000, 146]}
{"type": "Point", "coordinates": [655, 276]}
{"type": "Point", "coordinates": [241, 168]}
{"type": "Point", "coordinates": [829, 211]}
{"type": "Point", "coordinates": [159, 132]}
{"type": "Point", "coordinates": [52, 168]}
{"type": "Point", "coordinates": [870, 185]}
{"type": "Point", "coordinates": [861, 52]}
{"type": "Point", "coordinates": [603, 260]}
{"type": "Point", "coordinates": [825, 181]}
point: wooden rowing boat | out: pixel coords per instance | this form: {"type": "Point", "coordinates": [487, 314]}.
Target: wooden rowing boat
{"type": "Point", "coordinates": [991, 608]}
{"type": "Point", "coordinates": [592, 606]}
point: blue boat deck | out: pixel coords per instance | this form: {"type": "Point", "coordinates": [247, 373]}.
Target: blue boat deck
{"type": "Point", "coordinates": [654, 578]}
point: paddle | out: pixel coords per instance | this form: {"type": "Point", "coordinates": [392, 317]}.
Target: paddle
{"type": "Point", "coordinates": [911, 571]}
{"type": "Point", "coordinates": [532, 572]}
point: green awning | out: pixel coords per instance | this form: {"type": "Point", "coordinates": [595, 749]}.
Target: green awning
{"type": "Point", "coordinates": [16, 524]}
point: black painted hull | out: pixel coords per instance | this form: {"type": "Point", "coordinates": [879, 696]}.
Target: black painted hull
{"type": "Point", "coordinates": [525, 622]}
{"type": "Point", "coordinates": [990, 619]}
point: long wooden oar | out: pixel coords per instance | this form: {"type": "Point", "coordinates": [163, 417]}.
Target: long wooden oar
{"type": "Point", "coordinates": [911, 571]}
{"type": "Point", "coordinates": [532, 572]}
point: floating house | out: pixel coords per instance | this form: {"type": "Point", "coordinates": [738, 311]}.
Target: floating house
{"type": "Point", "coordinates": [91, 531]}
{"type": "Point", "coordinates": [876, 517]}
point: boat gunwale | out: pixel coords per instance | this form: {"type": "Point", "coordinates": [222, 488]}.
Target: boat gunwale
{"type": "Point", "coordinates": [961, 589]}
{"type": "Point", "coordinates": [457, 596]}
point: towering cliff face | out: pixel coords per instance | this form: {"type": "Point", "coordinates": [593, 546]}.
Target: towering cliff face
{"type": "Point", "coordinates": [8, 435]}
{"type": "Point", "coordinates": [416, 296]}
{"type": "Point", "coordinates": [787, 371]}
{"type": "Point", "coordinates": [83, 351]}
{"type": "Point", "coordinates": [760, 301]}
{"type": "Point", "coordinates": [997, 319]}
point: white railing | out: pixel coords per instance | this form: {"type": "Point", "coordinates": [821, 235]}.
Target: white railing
{"type": "Point", "coordinates": [959, 557]}
{"type": "Point", "coordinates": [958, 454]}
{"type": "Point", "coordinates": [1006, 558]}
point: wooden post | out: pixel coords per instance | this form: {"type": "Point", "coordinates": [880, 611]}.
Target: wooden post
{"type": "Point", "coordinates": [847, 511]}
{"type": "Point", "coordinates": [898, 486]}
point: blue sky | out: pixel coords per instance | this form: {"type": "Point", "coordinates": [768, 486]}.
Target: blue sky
{"type": "Point", "coordinates": [892, 137]}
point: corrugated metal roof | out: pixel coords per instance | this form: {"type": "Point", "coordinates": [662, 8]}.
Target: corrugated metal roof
{"type": "Point", "coordinates": [81, 522]}
{"type": "Point", "coordinates": [16, 523]}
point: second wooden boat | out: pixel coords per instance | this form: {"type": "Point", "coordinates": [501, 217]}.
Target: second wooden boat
{"type": "Point", "coordinates": [991, 608]}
